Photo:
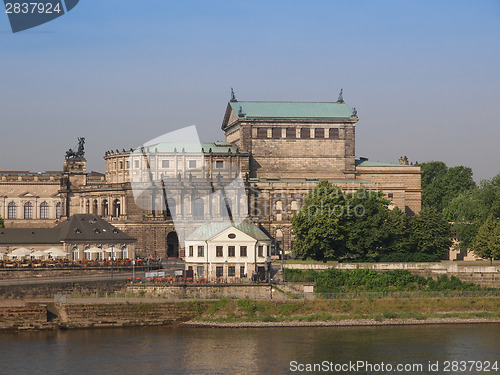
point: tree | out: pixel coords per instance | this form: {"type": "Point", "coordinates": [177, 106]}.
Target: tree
{"type": "Point", "coordinates": [318, 226]}
{"type": "Point", "coordinates": [430, 233]}
{"type": "Point", "coordinates": [441, 184]}
{"type": "Point", "coordinates": [487, 242]}
{"type": "Point", "coordinates": [367, 228]}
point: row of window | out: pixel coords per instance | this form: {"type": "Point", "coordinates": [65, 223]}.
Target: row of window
{"type": "Point", "coordinates": [104, 208]}
{"type": "Point", "coordinates": [28, 210]}
{"type": "Point", "coordinates": [291, 133]}
{"type": "Point", "coordinates": [219, 271]}
{"type": "Point", "coordinates": [231, 251]}
{"type": "Point", "coordinates": [219, 164]}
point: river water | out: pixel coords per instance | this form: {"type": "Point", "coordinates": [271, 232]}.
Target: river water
{"type": "Point", "coordinates": [169, 350]}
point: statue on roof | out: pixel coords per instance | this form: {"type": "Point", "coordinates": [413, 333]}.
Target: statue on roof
{"type": "Point", "coordinates": [233, 97]}
{"type": "Point", "coordinates": [79, 153]}
{"type": "Point", "coordinates": [341, 96]}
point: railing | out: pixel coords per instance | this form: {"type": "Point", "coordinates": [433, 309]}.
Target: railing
{"type": "Point", "coordinates": [409, 295]}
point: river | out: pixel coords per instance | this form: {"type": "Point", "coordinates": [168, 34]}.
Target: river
{"type": "Point", "coordinates": [176, 350]}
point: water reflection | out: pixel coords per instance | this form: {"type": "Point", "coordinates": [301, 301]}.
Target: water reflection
{"type": "Point", "coordinates": [238, 351]}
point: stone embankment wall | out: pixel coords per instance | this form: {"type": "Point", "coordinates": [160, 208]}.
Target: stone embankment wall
{"type": "Point", "coordinates": [25, 273]}
{"type": "Point", "coordinates": [36, 316]}
{"type": "Point", "coordinates": [486, 276]}
{"type": "Point", "coordinates": [252, 291]}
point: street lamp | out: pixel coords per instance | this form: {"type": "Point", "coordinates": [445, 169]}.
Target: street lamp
{"type": "Point", "coordinates": [112, 253]}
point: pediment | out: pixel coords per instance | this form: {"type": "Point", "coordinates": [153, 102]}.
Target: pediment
{"type": "Point", "coordinates": [28, 195]}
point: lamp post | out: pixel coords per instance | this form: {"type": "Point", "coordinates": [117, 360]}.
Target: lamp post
{"type": "Point", "coordinates": [112, 253]}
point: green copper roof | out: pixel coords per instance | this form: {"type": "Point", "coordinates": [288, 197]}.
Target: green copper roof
{"type": "Point", "coordinates": [368, 163]}
{"type": "Point", "coordinates": [210, 229]}
{"type": "Point", "coordinates": [291, 110]}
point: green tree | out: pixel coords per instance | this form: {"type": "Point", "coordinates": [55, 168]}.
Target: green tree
{"type": "Point", "coordinates": [319, 226]}
{"type": "Point", "coordinates": [397, 228]}
{"type": "Point", "coordinates": [441, 184]}
{"type": "Point", "coordinates": [487, 242]}
{"type": "Point", "coordinates": [367, 228]}
{"type": "Point", "coordinates": [430, 233]}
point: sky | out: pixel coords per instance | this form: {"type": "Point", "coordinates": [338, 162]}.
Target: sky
{"type": "Point", "coordinates": [423, 75]}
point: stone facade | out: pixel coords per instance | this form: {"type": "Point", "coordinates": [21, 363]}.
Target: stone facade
{"type": "Point", "coordinates": [282, 149]}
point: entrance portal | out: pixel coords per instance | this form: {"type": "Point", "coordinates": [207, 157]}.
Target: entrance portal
{"type": "Point", "coordinates": [172, 245]}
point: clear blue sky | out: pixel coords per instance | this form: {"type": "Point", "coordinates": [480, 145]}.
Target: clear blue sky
{"type": "Point", "coordinates": [424, 75]}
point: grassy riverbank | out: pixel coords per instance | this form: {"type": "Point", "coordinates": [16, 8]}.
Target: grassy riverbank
{"type": "Point", "coordinates": [377, 310]}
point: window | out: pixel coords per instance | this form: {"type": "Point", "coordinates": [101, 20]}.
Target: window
{"type": "Point", "coordinates": [74, 253]}
{"type": "Point", "coordinates": [390, 195]}
{"type": "Point", "coordinates": [268, 250]}
{"type": "Point", "coordinates": [242, 272]}
{"type": "Point", "coordinates": [116, 208]}
{"type": "Point", "coordinates": [291, 133]}
{"type": "Point", "coordinates": [261, 251]}
{"type": "Point", "coordinates": [231, 271]}
{"type": "Point", "coordinates": [87, 207]}
{"type": "Point", "coordinates": [165, 164]}
{"type": "Point", "coordinates": [200, 271]}
{"type": "Point", "coordinates": [121, 165]}
{"type": "Point", "coordinates": [192, 164]}
{"type": "Point", "coordinates": [243, 251]}
{"type": "Point", "coordinates": [58, 210]}
{"type": "Point", "coordinates": [191, 250]}
{"type": "Point", "coordinates": [198, 208]}
{"type": "Point", "coordinates": [124, 252]}
{"type": "Point", "coordinates": [276, 132]}
{"type": "Point", "coordinates": [219, 251]}
{"type": "Point", "coordinates": [334, 133]}
{"type": "Point", "coordinates": [226, 206]}
{"type": "Point", "coordinates": [305, 133]}
{"type": "Point", "coordinates": [94, 208]}
{"type": "Point", "coordinates": [219, 164]}
{"type": "Point", "coordinates": [136, 164]}
{"type": "Point", "coordinates": [11, 211]}
{"type": "Point", "coordinates": [219, 271]}
{"type": "Point", "coordinates": [105, 208]}
{"type": "Point", "coordinates": [28, 210]}
{"type": "Point", "coordinates": [231, 252]}
{"type": "Point", "coordinates": [44, 210]}
{"type": "Point", "coordinates": [319, 133]}
{"type": "Point", "coordinates": [200, 251]}
{"type": "Point", "coordinates": [261, 133]}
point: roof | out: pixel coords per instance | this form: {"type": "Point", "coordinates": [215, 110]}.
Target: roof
{"type": "Point", "coordinates": [208, 230]}
{"type": "Point", "coordinates": [90, 227]}
{"type": "Point", "coordinates": [45, 236]}
{"type": "Point", "coordinates": [291, 110]}
{"type": "Point", "coordinates": [194, 147]}
{"type": "Point", "coordinates": [369, 163]}
{"type": "Point", "coordinates": [80, 227]}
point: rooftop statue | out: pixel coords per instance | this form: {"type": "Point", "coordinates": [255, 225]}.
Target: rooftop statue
{"type": "Point", "coordinates": [80, 153]}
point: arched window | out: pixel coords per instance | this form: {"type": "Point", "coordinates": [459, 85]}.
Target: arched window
{"type": "Point", "coordinates": [87, 207]}
{"type": "Point", "coordinates": [226, 209]}
{"type": "Point", "coordinates": [278, 208]}
{"type": "Point", "coordinates": [116, 208]}
{"type": "Point", "coordinates": [198, 208]}
{"type": "Point", "coordinates": [11, 211]}
{"type": "Point", "coordinates": [124, 252]}
{"type": "Point", "coordinates": [58, 210]}
{"type": "Point", "coordinates": [44, 210]}
{"type": "Point", "coordinates": [105, 208]}
{"type": "Point", "coordinates": [74, 253]}
{"type": "Point", "coordinates": [170, 207]}
{"type": "Point", "coordinates": [95, 207]}
{"type": "Point", "coordinates": [334, 133]}
{"type": "Point", "coordinates": [28, 210]}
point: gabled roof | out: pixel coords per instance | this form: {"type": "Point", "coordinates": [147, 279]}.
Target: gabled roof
{"type": "Point", "coordinates": [292, 110]}
{"type": "Point", "coordinates": [208, 230]}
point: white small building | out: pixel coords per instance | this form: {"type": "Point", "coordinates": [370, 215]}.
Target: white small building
{"type": "Point", "coordinates": [221, 252]}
